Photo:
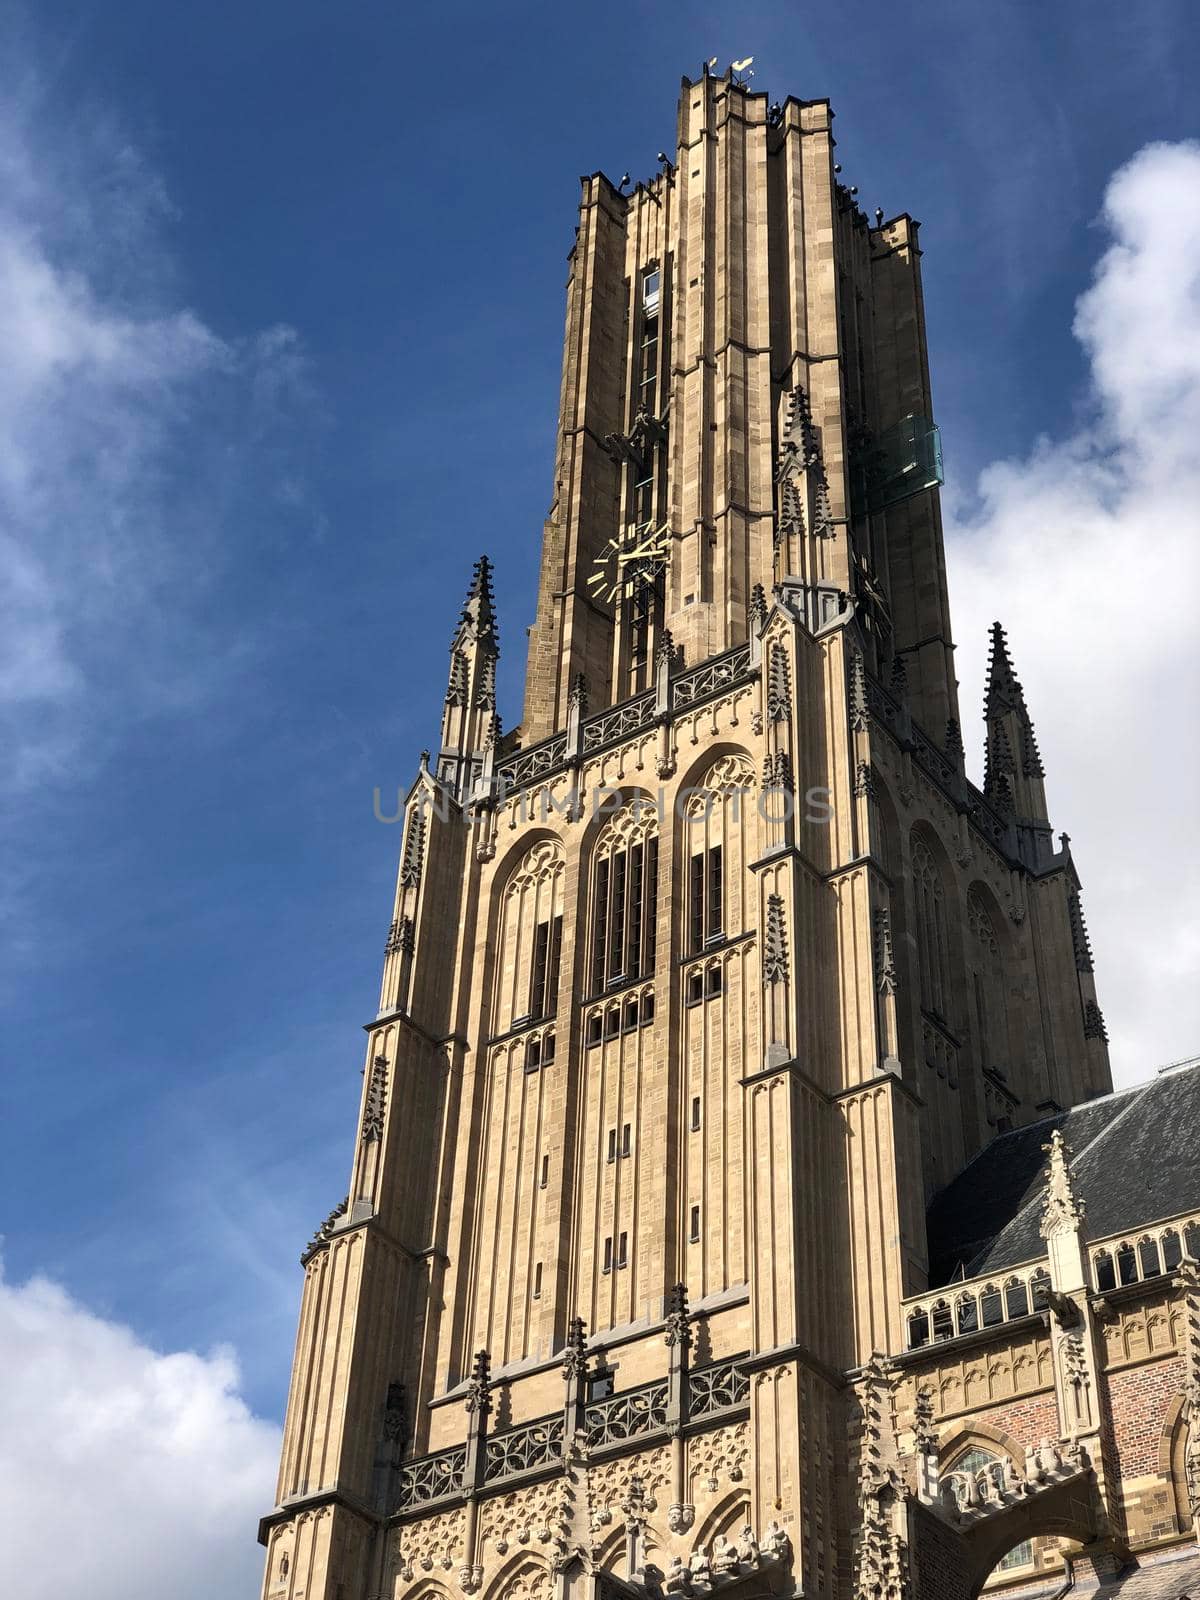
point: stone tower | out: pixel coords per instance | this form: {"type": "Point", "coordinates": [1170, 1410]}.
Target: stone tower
{"type": "Point", "coordinates": [701, 983]}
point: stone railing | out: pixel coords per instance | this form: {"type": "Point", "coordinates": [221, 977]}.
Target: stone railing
{"type": "Point", "coordinates": [432, 1477]}
{"type": "Point", "coordinates": [625, 720]}
{"type": "Point", "coordinates": [717, 1388]}
{"type": "Point", "coordinates": [626, 1416]}
{"type": "Point", "coordinates": [959, 1309]}
{"type": "Point", "coordinates": [1147, 1253]}
{"type": "Point", "coordinates": [536, 1444]}
{"type": "Point", "coordinates": [711, 678]}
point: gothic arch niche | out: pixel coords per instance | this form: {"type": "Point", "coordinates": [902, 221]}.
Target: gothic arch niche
{"type": "Point", "coordinates": [523, 1578]}
{"type": "Point", "coordinates": [529, 937]}
{"type": "Point", "coordinates": [977, 1461]}
{"type": "Point", "coordinates": [989, 950]}
{"type": "Point", "coordinates": [623, 897]}
{"type": "Point", "coordinates": [718, 839]}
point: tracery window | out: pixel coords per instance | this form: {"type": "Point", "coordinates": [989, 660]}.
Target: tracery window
{"type": "Point", "coordinates": [974, 1461]}
{"type": "Point", "coordinates": [624, 909]}
{"type": "Point", "coordinates": [933, 943]}
{"type": "Point", "coordinates": [530, 940]}
{"type": "Point", "coordinates": [720, 813]}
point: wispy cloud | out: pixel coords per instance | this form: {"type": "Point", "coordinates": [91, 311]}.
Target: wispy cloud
{"type": "Point", "coordinates": [1089, 548]}
{"type": "Point", "coordinates": [164, 1467]}
{"type": "Point", "coordinates": [130, 433]}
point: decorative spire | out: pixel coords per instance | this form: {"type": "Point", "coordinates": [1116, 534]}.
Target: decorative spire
{"type": "Point", "coordinates": [899, 683]}
{"type": "Point", "coordinates": [373, 1111]}
{"type": "Point", "coordinates": [885, 960]}
{"type": "Point", "coordinates": [758, 608]}
{"type": "Point", "coordinates": [480, 608]}
{"type": "Point", "coordinates": [678, 1328]}
{"type": "Point", "coordinates": [779, 689]}
{"type": "Point", "coordinates": [954, 741]}
{"type": "Point", "coordinates": [666, 647]}
{"type": "Point", "coordinates": [575, 1355]}
{"type": "Point", "coordinates": [1062, 1212]}
{"type": "Point", "coordinates": [775, 955]}
{"type": "Point", "coordinates": [1004, 692]}
{"type": "Point", "coordinates": [1093, 1022]}
{"type": "Point", "coordinates": [859, 716]}
{"type": "Point", "coordinates": [1079, 933]}
{"type": "Point", "coordinates": [479, 1397]}
{"type": "Point", "coordinates": [579, 695]}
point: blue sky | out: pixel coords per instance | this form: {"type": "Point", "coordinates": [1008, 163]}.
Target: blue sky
{"type": "Point", "coordinates": [285, 284]}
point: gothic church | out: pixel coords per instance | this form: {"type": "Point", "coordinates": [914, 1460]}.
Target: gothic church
{"type": "Point", "coordinates": [739, 1205]}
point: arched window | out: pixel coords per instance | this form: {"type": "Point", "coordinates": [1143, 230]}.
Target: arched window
{"type": "Point", "coordinates": [933, 942]}
{"type": "Point", "coordinates": [530, 939]}
{"type": "Point", "coordinates": [720, 812]}
{"type": "Point", "coordinates": [624, 910]}
{"type": "Point", "coordinates": [974, 1461]}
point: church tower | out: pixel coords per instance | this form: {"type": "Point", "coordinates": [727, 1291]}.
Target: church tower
{"type": "Point", "coordinates": [703, 981]}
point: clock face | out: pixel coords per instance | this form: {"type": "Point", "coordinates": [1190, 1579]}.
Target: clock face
{"type": "Point", "coordinates": [627, 564]}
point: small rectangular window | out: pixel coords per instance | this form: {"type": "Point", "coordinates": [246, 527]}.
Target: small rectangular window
{"type": "Point", "coordinates": [713, 981]}
{"type": "Point", "coordinates": [595, 1028]}
{"type": "Point", "coordinates": [694, 1228]}
{"type": "Point", "coordinates": [651, 283]}
{"type": "Point", "coordinates": [533, 1055]}
{"type": "Point", "coordinates": [647, 1009]}
{"type": "Point", "coordinates": [608, 1254]}
{"type": "Point", "coordinates": [695, 987]}
{"type": "Point", "coordinates": [695, 1113]}
{"type": "Point", "coordinates": [631, 1015]}
{"type": "Point", "coordinates": [537, 1281]}
{"type": "Point", "coordinates": [612, 1144]}
{"type": "Point", "coordinates": [545, 1178]}
{"type": "Point", "coordinates": [612, 1022]}
{"type": "Point", "coordinates": [623, 1251]}
{"type": "Point", "coordinates": [626, 1136]}
{"type": "Point", "coordinates": [548, 1048]}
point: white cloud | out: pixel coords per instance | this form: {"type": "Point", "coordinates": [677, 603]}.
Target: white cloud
{"type": "Point", "coordinates": [1089, 551]}
{"type": "Point", "coordinates": [127, 430]}
{"type": "Point", "coordinates": [124, 1473]}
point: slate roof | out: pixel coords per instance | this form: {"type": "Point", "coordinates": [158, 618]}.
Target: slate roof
{"type": "Point", "coordinates": [1175, 1576]}
{"type": "Point", "coordinates": [1135, 1162]}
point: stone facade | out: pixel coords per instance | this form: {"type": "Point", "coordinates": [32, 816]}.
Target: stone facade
{"type": "Point", "coordinates": [703, 981]}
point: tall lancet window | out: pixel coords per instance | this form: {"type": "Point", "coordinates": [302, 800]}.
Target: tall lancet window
{"type": "Point", "coordinates": [720, 818]}
{"type": "Point", "coordinates": [987, 973]}
{"type": "Point", "coordinates": [624, 909]}
{"type": "Point", "coordinates": [529, 955]}
{"type": "Point", "coordinates": [933, 943]}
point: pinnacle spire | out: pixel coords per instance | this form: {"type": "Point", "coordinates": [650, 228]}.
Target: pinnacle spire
{"type": "Point", "coordinates": [1013, 771]}
{"type": "Point", "coordinates": [479, 610]}
{"type": "Point", "coordinates": [469, 720]}
{"type": "Point", "coordinates": [1004, 692]}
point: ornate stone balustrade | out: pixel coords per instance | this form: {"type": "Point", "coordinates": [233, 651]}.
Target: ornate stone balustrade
{"type": "Point", "coordinates": [717, 1388]}
{"type": "Point", "coordinates": [537, 1444]}
{"type": "Point", "coordinates": [1149, 1253]}
{"type": "Point", "coordinates": [626, 1416]}
{"type": "Point", "coordinates": [711, 677]}
{"type": "Point", "coordinates": [978, 1303]}
{"type": "Point", "coordinates": [432, 1477]}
